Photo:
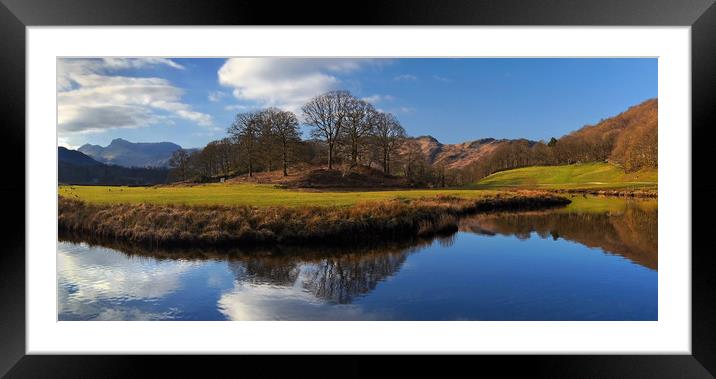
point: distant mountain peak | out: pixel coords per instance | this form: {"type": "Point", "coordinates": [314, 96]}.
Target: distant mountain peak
{"type": "Point", "coordinates": [132, 154]}
{"type": "Point", "coordinates": [119, 140]}
{"type": "Point", "coordinates": [456, 155]}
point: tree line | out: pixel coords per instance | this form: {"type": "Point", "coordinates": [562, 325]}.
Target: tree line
{"type": "Point", "coordinates": [347, 132]}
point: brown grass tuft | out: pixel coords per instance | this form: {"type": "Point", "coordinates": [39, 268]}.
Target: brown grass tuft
{"type": "Point", "coordinates": [162, 225]}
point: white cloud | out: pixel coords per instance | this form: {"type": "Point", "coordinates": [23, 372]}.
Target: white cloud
{"type": "Point", "coordinates": [125, 63]}
{"type": "Point", "coordinates": [406, 77]}
{"type": "Point", "coordinates": [91, 99]}
{"type": "Point", "coordinates": [64, 142]}
{"type": "Point", "coordinates": [286, 83]}
{"type": "Point", "coordinates": [375, 99]}
{"type": "Point", "coordinates": [238, 107]}
{"type": "Point", "coordinates": [216, 96]}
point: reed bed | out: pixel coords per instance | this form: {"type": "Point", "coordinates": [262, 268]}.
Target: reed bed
{"type": "Point", "coordinates": [183, 225]}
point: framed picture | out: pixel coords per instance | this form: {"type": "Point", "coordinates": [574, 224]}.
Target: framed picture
{"type": "Point", "coordinates": [463, 178]}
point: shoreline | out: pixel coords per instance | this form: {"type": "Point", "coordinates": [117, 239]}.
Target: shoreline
{"type": "Point", "coordinates": [642, 194]}
{"type": "Point", "coordinates": [236, 226]}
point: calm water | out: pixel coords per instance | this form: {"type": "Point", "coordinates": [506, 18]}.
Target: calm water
{"type": "Point", "coordinates": [542, 265]}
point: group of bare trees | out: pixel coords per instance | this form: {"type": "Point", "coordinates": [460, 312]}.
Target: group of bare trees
{"type": "Point", "coordinates": [216, 158]}
{"type": "Point", "coordinates": [346, 130]}
{"type": "Point", "coordinates": [268, 136]}
{"type": "Point", "coordinates": [353, 130]}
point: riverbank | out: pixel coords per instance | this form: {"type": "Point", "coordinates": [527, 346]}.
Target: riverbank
{"type": "Point", "coordinates": [215, 225]}
{"type": "Point", "coordinates": [642, 194]}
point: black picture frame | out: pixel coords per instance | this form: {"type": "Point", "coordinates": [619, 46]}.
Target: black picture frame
{"type": "Point", "coordinates": [16, 15]}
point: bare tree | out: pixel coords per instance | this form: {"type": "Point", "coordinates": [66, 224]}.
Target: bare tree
{"type": "Point", "coordinates": [360, 117]}
{"type": "Point", "coordinates": [326, 113]}
{"type": "Point", "coordinates": [224, 155]}
{"type": "Point", "coordinates": [267, 138]}
{"type": "Point", "coordinates": [179, 161]}
{"type": "Point", "coordinates": [286, 133]}
{"type": "Point", "coordinates": [388, 134]}
{"type": "Point", "coordinates": [245, 132]}
{"type": "Point", "coordinates": [414, 160]}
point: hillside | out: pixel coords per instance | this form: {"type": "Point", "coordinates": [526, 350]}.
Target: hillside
{"type": "Point", "coordinates": [75, 157]}
{"type": "Point", "coordinates": [74, 167]}
{"type": "Point", "coordinates": [583, 176]}
{"type": "Point", "coordinates": [130, 154]}
{"type": "Point", "coordinates": [319, 177]}
{"type": "Point", "coordinates": [456, 156]}
{"type": "Point", "coordinates": [629, 138]}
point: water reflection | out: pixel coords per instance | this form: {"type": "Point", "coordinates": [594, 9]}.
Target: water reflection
{"type": "Point", "coordinates": [485, 271]}
{"type": "Point", "coordinates": [337, 278]}
{"type": "Point", "coordinates": [631, 231]}
{"type": "Point", "coordinates": [288, 280]}
{"type": "Point", "coordinates": [97, 284]}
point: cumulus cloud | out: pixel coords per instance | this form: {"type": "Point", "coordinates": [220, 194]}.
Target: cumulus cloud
{"type": "Point", "coordinates": [91, 98]}
{"type": "Point", "coordinates": [286, 83]}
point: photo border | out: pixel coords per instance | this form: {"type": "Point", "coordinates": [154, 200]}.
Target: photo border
{"type": "Point", "coordinates": [16, 15]}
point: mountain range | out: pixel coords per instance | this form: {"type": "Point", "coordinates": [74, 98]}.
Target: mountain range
{"type": "Point", "coordinates": [75, 167]}
{"type": "Point", "coordinates": [459, 155]}
{"type": "Point", "coordinates": [130, 154]}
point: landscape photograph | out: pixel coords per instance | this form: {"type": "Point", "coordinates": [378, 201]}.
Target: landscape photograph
{"type": "Point", "coordinates": [376, 189]}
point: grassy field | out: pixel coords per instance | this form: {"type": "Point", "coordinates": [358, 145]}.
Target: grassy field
{"type": "Point", "coordinates": [576, 176]}
{"type": "Point", "coordinates": [247, 194]}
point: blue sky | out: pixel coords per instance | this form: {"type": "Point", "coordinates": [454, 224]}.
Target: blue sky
{"type": "Point", "coordinates": [193, 101]}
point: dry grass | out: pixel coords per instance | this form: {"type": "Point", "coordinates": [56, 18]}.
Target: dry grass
{"type": "Point", "coordinates": [157, 224]}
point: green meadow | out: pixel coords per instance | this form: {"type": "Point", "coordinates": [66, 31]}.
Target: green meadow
{"type": "Point", "coordinates": [248, 194]}
{"type": "Point", "coordinates": [576, 176]}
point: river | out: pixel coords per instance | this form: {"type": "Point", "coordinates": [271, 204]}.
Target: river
{"type": "Point", "coordinates": [593, 260]}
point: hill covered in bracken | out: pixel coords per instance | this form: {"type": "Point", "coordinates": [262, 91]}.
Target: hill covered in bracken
{"type": "Point", "coordinates": [629, 140]}
{"type": "Point", "coordinates": [455, 156]}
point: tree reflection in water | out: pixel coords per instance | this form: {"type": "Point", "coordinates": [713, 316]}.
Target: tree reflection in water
{"type": "Point", "coordinates": [631, 232]}
{"type": "Point", "coordinates": [335, 277]}
{"type": "Point", "coordinates": [339, 275]}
